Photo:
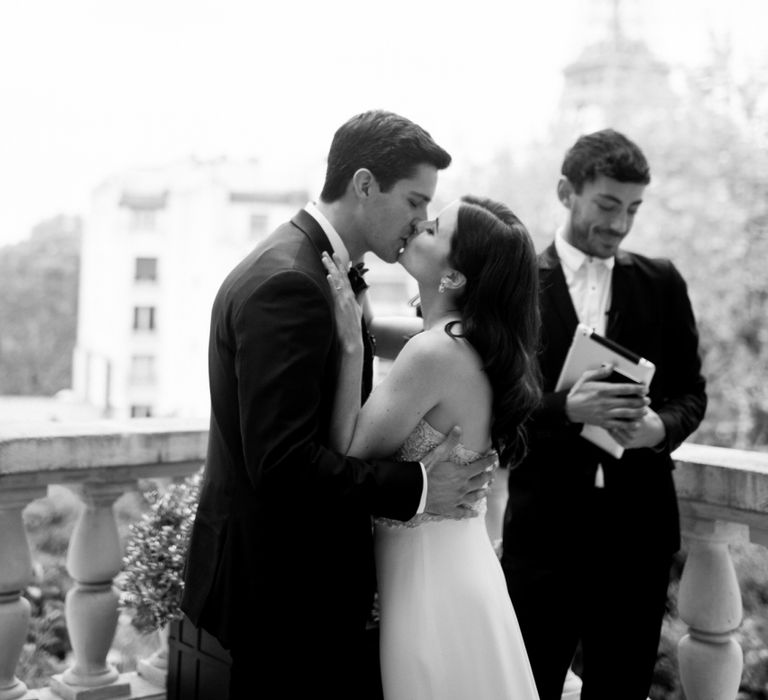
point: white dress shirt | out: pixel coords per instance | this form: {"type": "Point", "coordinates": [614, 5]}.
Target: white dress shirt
{"type": "Point", "coordinates": [341, 250]}
{"type": "Point", "coordinates": [589, 283]}
{"type": "Point", "coordinates": [335, 239]}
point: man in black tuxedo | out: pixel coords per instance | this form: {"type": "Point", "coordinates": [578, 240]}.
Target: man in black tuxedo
{"type": "Point", "coordinates": [589, 539]}
{"type": "Point", "coordinates": [280, 567]}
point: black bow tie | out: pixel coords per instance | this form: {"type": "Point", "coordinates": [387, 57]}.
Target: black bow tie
{"type": "Point", "coordinates": [356, 280]}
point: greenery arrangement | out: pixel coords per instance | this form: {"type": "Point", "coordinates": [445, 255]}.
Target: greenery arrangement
{"type": "Point", "coordinates": [152, 579]}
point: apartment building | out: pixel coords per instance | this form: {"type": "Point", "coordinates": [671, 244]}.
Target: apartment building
{"type": "Point", "coordinates": [156, 245]}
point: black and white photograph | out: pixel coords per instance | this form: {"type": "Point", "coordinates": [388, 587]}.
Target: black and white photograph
{"type": "Point", "coordinates": [391, 351]}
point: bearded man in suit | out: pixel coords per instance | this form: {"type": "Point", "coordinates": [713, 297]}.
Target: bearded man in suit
{"type": "Point", "coordinates": [280, 567]}
{"type": "Point", "coordinates": [588, 539]}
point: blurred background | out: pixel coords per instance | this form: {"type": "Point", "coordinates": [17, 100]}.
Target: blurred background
{"type": "Point", "coordinates": [145, 147]}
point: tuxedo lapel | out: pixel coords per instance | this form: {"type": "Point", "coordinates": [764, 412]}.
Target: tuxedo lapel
{"type": "Point", "coordinates": [554, 289]}
{"type": "Point", "coordinates": [621, 289]}
{"type": "Point", "coordinates": [368, 352]}
{"type": "Point", "coordinates": [307, 223]}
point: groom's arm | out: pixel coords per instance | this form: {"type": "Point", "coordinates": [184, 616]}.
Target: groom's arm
{"type": "Point", "coordinates": [285, 344]}
{"type": "Point", "coordinates": [391, 333]}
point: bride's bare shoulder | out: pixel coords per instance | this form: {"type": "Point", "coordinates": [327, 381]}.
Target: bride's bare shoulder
{"type": "Point", "coordinates": [442, 350]}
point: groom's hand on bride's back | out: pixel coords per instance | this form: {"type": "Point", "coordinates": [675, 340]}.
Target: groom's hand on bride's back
{"type": "Point", "coordinates": [453, 489]}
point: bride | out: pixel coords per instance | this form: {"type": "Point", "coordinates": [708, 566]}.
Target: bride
{"type": "Point", "coordinates": [448, 629]}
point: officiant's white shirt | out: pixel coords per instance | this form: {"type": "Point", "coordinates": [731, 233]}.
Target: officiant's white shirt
{"type": "Point", "coordinates": [589, 283]}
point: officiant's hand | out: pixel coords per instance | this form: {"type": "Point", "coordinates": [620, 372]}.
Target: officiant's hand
{"type": "Point", "coordinates": [647, 432]}
{"type": "Point", "coordinates": [608, 404]}
{"type": "Point", "coordinates": [453, 489]}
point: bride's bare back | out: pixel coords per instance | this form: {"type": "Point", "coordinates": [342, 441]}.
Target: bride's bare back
{"type": "Point", "coordinates": [437, 377]}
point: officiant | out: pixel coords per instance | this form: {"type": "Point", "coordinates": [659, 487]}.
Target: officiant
{"type": "Point", "coordinates": [588, 538]}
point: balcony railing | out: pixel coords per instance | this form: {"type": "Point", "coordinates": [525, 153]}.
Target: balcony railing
{"type": "Point", "coordinates": [723, 496]}
{"type": "Point", "coordinates": [99, 462]}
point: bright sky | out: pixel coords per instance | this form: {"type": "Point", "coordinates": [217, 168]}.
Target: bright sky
{"type": "Point", "coordinates": [89, 87]}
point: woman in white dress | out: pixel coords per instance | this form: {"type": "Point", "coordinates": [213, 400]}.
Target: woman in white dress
{"type": "Point", "coordinates": [448, 629]}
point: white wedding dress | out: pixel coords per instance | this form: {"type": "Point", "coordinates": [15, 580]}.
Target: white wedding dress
{"type": "Point", "coordinates": [447, 629]}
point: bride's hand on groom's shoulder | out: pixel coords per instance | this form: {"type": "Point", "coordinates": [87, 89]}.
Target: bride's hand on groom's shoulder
{"type": "Point", "coordinates": [453, 489]}
{"type": "Point", "coordinates": [346, 308]}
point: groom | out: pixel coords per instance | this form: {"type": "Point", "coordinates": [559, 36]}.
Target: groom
{"type": "Point", "coordinates": [280, 567]}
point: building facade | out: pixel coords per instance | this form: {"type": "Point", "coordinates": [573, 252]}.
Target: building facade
{"type": "Point", "coordinates": [156, 245]}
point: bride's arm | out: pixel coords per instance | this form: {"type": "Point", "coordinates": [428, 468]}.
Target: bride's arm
{"type": "Point", "coordinates": [497, 503]}
{"type": "Point", "coordinates": [391, 332]}
{"type": "Point", "coordinates": [410, 389]}
{"type": "Point", "coordinates": [346, 405]}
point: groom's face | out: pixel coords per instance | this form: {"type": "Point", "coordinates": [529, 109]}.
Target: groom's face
{"type": "Point", "coordinates": [391, 216]}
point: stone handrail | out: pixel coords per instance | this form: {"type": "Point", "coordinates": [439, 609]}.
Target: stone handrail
{"type": "Point", "coordinates": [99, 461]}
{"type": "Point", "coordinates": [723, 498]}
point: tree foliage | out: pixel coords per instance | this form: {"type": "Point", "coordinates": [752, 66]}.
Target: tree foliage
{"type": "Point", "coordinates": [706, 209]}
{"type": "Point", "coordinates": [38, 309]}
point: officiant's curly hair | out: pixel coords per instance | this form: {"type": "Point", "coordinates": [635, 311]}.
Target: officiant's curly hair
{"type": "Point", "coordinates": [605, 152]}
{"type": "Point", "coordinates": [388, 145]}
{"type": "Point", "coordinates": [499, 309]}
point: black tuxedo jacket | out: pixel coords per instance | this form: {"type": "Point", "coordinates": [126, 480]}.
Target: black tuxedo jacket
{"type": "Point", "coordinates": [281, 547]}
{"type": "Point", "coordinates": [551, 492]}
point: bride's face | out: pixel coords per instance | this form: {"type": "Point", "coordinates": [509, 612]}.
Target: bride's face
{"type": "Point", "coordinates": [426, 255]}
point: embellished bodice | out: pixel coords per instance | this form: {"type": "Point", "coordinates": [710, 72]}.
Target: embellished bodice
{"type": "Point", "coordinates": [419, 443]}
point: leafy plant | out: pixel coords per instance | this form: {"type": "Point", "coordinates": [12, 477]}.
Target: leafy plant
{"type": "Point", "coordinates": [152, 580]}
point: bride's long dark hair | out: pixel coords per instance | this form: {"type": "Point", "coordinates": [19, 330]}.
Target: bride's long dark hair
{"type": "Point", "coordinates": [500, 313]}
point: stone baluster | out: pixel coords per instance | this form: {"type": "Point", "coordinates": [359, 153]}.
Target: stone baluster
{"type": "Point", "coordinates": [709, 602]}
{"type": "Point", "coordinates": [93, 560]}
{"type": "Point", "coordinates": [155, 668]}
{"type": "Point", "coordinates": [15, 575]}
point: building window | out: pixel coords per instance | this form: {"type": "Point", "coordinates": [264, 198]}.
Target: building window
{"type": "Point", "coordinates": [141, 411]}
{"type": "Point", "coordinates": [143, 318]}
{"type": "Point", "coordinates": [143, 219]}
{"type": "Point", "coordinates": [146, 270]}
{"type": "Point", "coordinates": [142, 369]}
{"type": "Point", "coordinates": [259, 225]}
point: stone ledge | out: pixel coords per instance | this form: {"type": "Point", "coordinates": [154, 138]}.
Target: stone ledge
{"type": "Point", "coordinates": [119, 689]}
{"type": "Point", "coordinates": [53, 447]}
{"type": "Point", "coordinates": [138, 689]}
{"type": "Point", "coordinates": [725, 479]}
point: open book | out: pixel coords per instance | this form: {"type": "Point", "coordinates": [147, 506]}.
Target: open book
{"type": "Point", "coordinates": [591, 351]}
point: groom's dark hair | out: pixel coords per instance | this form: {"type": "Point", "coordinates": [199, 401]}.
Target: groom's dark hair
{"type": "Point", "coordinates": [388, 145]}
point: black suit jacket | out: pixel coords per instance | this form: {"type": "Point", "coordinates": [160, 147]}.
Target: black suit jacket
{"type": "Point", "coordinates": [281, 547]}
{"type": "Point", "coordinates": [550, 492]}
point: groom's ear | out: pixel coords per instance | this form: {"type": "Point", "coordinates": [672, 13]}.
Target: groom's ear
{"type": "Point", "coordinates": [362, 183]}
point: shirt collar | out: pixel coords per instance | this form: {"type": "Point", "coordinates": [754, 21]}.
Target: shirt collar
{"type": "Point", "coordinates": [333, 237]}
{"type": "Point", "coordinates": [572, 258]}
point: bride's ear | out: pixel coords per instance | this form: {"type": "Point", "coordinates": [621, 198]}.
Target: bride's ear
{"type": "Point", "coordinates": [452, 280]}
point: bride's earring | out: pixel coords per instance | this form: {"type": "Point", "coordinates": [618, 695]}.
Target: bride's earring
{"type": "Point", "coordinates": [442, 286]}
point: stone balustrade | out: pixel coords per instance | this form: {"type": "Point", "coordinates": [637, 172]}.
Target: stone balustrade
{"type": "Point", "coordinates": [723, 498]}
{"type": "Point", "coordinates": [99, 462]}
